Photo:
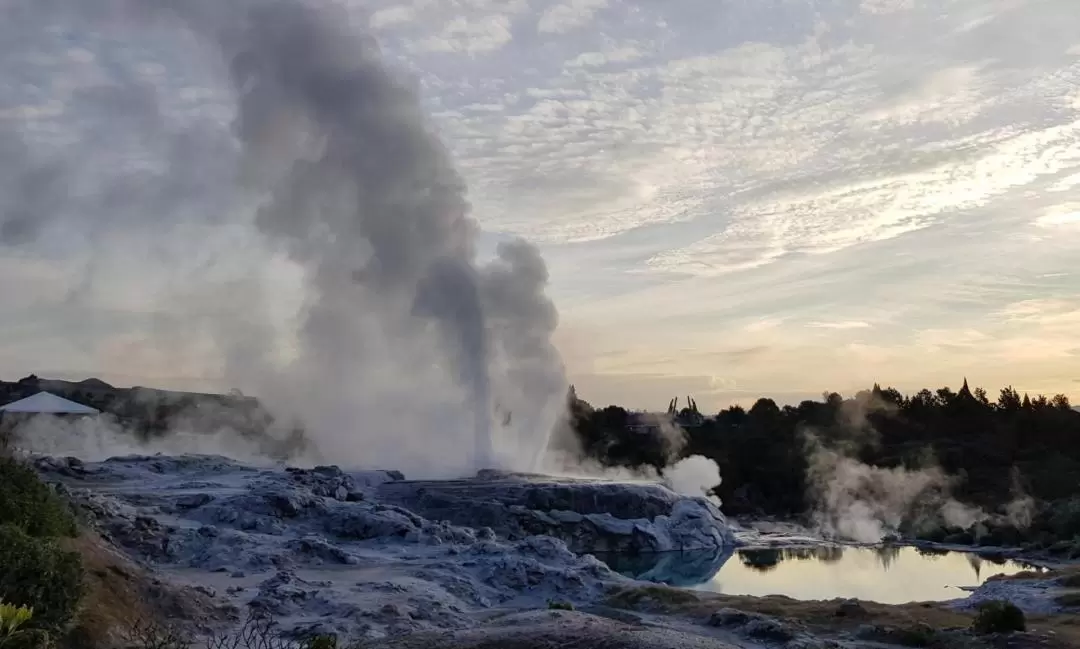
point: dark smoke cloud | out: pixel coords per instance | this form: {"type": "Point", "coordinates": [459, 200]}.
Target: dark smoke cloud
{"type": "Point", "coordinates": [401, 331]}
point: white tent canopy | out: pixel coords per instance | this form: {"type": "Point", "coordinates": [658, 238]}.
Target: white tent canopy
{"type": "Point", "coordinates": [46, 403]}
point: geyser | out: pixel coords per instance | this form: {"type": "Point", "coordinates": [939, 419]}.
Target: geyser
{"type": "Point", "coordinates": [403, 341]}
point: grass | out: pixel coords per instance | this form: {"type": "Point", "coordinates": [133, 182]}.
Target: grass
{"type": "Point", "coordinates": [925, 624]}
{"type": "Point", "coordinates": [119, 594]}
{"type": "Point", "coordinates": [651, 597]}
{"type": "Point", "coordinates": [919, 635]}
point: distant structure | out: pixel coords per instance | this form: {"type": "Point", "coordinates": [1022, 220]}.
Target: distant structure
{"type": "Point", "coordinates": [41, 403]}
{"type": "Point", "coordinates": [688, 417]}
{"type": "Point", "coordinates": [47, 403]}
{"type": "Point", "coordinates": [965, 392]}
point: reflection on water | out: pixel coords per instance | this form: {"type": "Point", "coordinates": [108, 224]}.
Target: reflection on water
{"type": "Point", "coordinates": [887, 574]}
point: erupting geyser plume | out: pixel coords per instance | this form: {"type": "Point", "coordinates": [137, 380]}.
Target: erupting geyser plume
{"type": "Point", "coordinates": [404, 343]}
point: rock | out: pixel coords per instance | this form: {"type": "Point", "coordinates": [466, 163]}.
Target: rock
{"type": "Point", "coordinates": [727, 617]}
{"type": "Point", "coordinates": [390, 610]}
{"type": "Point", "coordinates": [320, 548]}
{"type": "Point", "coordinates": [288, 504]}
{"type": "Point", "coordinates": [769, 629]}
{"type": "Point", "coordinates": [753, 624]}
{"type": "Point", "coordinates": [851, 608]}
{"type": "Point", "coordinates": [191, 501]}
{"type": "Point", "coordinates": [589, 516]}
{"type": "Point", "coordinates": [290, 525]}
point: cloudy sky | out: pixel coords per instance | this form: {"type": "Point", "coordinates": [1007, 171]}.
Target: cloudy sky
{"type": "Point", "coordinates": [735, 198]}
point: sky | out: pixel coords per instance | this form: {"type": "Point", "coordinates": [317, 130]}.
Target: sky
{"type": "Point", "coordinates": [735, 199]}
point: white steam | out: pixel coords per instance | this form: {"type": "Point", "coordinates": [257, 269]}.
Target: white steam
{"type": "Point", "coordinates": [95, 439]}
{"type": "Point", "coordinates": [694, 476]}
{"type": "Point", "coordinates": [263, 146]}
{"type": "Point", "coordinates": [863, 503]}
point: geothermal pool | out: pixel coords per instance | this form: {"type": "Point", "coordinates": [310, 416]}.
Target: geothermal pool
{"type": "Point", "coordinates": [890, 575]}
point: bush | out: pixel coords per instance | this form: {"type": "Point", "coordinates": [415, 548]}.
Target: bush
{"type": "Point", "coordinates": [999, 617]}
{"type": "Point", "coordinates": [652, 596]}
{"type": "Point", "coordinates": [259, 631]}
{"type": "Point", "coordinates": [1064, 518]}
{"type": "Point", "coordinates": [920, 635]}
{"type": "Point", "coordinates": [38, 574]}
{"type": "Point", "coordinates": [31, 505]}
{"type": "Point", "coordinates": [556, 605]}
{"type": "Point", "coordinates": [12, 620]}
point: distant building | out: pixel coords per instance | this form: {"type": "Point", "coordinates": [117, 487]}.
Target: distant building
{"type": "Point", "coordinates": [648, 422]}
{"type": "Point", "coordinates": [41, 403]}
{"type": "Point", "coordinates": [47, 403]}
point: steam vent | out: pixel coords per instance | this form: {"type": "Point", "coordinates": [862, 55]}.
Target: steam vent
{"type": "Point", "coordinates": [591, 516]}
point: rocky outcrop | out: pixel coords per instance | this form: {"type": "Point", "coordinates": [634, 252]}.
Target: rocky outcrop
{"type": "Point", "coordinates": [589, 516]}
{"type": "Point", "coordinates": [316, 548]}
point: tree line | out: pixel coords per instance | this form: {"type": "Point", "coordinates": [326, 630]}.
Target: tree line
{"type": "Point", "coordinates": [994, 448]}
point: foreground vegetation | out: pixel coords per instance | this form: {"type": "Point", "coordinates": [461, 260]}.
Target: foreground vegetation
{"type": "Point", "coordinates": [36, 572]}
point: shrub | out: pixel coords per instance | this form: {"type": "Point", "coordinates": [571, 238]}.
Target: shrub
{"type": "Point", "coordinates": [1064, 518]}
{"type": "Point", "coordinates": [38, 574]}
{"type": "Point", "coordinates": [31, 505]}
{"type": "Point", "coordinates": [12, 620]}
{"type": "Point", "coordinates": [920, 635]}
{"type": "Point", "coordinates": [556, 605]}
{"type": "Point", "coordinates": [259, 631]}
{"type": "Point", "coordinates": [998, 617]}
{"type": "Point", "coordinates": [652, 596]}
{"type": "Point", "coordinates": [320, 642]}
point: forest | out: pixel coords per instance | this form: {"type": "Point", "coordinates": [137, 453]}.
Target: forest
{"type": "Point", "coordinates": [994, 451]}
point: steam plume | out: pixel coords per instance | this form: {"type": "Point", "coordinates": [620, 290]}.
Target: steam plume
{"type": "Point", "coordinates": [400, 330]}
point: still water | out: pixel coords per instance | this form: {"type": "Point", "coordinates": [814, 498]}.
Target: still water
{"type": "Point", "coordinates": [890, 575]}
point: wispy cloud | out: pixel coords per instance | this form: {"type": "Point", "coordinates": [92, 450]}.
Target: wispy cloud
{"type": "Point", "coordinates": [568, 15]}
{"type": "Point", "coordinates": [841, 325]}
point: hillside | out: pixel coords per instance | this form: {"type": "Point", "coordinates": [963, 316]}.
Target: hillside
{"type": "Point", "coordinates": [150, 412]}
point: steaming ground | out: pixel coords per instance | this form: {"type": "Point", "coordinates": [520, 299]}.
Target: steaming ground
{"type": "Point", "coordinates": [320, 549]}
{"type": "Point", "coordinates": [323, 551]}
